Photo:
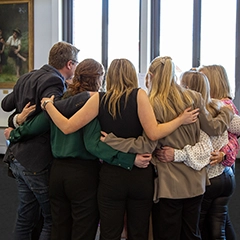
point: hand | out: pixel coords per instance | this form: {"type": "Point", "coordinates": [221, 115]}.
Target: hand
{"type": "Point", "coordinates": [229, 106]}
{"type": "Point", "coordinates": [103, 136]}
{"type": "Point", "coordinates": [51, 99]}
{"type": "Point", "coordinates": [142, 160]}
{"type": "Point", "coordinates": [7, 132]}
{"type": "Point", "coordinates": [21, 117]}
{"type": "Point", "coordinates": [189, 116]}
{"type": "Point", "coordinates": [216, 157]}
{"type": "Point", "coordinates": [165, 154]}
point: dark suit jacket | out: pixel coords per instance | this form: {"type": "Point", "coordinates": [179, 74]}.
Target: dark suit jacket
{"type": "Point", "coordinates": [34, 154]}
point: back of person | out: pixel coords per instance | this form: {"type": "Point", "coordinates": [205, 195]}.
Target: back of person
{"type": "Point", "coordinates": [31, 87]}
{"type": "Point", "coordinates": [127, 123]}
{"type": "Point", "coordinates": [120, 190]}
{"type": "Point", "coordinates": [32, 158]}
{"type": "Point", "coordinates": [178, 174]}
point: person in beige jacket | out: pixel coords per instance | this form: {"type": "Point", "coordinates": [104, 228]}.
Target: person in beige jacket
{"type": "Point", "coordinates": [178, 188]}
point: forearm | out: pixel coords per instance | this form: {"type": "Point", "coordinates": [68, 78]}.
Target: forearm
{"type": "Point", "coordinates": [18, 49]}
{"type": "Point", "coordinates": [235, 125]}
{"type": "Point", "coordinates": [142, 144]}
{"type": "Point", "coordinates": [197, 156]}
{"type": "Point", "coordinates": [83, 116]}
{"type": "Point", "coordinates": [230, 150]}
{"type": "Point", "coordinates": [215, 126]}
{"type": "Point", "coordinates": [103, 151]}
{"type": "Point", "coordinates": [29, 129]}
{"type": "Point", "coordinates": [59, 120]}
{"type": "Point", "coordinates": [164, 129]}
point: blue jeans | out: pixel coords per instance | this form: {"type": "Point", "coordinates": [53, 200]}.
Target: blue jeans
{"type": "Point", "coordinates": [33, 192]}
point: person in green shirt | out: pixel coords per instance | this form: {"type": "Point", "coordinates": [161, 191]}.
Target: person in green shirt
{"type": "Point", "coordinates": [74, 174]}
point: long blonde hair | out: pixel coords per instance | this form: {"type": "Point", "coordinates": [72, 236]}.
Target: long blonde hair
{"type": "Point", "coordinates": [164, 89]}
{"type": "Point", "coordinates": [121, 79]}
{"type": "Point", "coordinates": [198, 82]}
{"type": "Point", "coordinates": [218, 79]}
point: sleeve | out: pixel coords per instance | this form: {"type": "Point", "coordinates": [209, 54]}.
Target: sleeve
{"type": "Point", "coordinates": [71, 105]}
{"type": "Point", "coordinates": [53, 86]}
{"type": "Point", "coordinates": [93, 144]}
{"type": "Point", "coordinates": [8, 103]}
{"type": "Point", "coordinates": [8, 42]}
{"type": "Point", "coordinates": [235, 125]}
{"type": "Point", "coordinates": [214, 126]}
{"type": "Point", "coordinates": [197, 156]}
{"type": "Point", "coordinates": [231, 150]}
{"type": "Point", "coordinates": [142, 144]}
{"type": "Point", "coordinates": [31, 128]}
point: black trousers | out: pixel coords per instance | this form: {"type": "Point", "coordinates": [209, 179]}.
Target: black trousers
{"type": "Point", "coordinates": [73, 198]}
{"type": "Point", "coordinates": [214, 219]}
{"type": "Point", "coordinates": [175, 219]}
{"type": "Point", "coordinates": [122, 191]}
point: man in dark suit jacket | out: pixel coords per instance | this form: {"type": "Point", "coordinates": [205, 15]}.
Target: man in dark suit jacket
{"type": "Point", "coordinates": [31, 160]}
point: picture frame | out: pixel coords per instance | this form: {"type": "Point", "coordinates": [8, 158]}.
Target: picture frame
{"type": "Point", "coordinates": [16, 24]}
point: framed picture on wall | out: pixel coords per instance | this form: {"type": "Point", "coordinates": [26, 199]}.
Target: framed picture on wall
{"type": "Point", "coordinates": [16, 40]}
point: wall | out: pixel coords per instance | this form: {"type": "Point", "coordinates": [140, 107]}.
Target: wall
{"type": "Point", "coordinates": [47, 31]}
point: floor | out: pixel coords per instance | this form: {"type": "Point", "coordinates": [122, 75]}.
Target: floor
{"type": "Point", "coordinates": [8, 203]}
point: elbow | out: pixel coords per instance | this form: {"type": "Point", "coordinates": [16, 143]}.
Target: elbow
{"type": "Point", "coordinates": [153, 137]}
{"type": "Point", "coordinates": [66, 130]}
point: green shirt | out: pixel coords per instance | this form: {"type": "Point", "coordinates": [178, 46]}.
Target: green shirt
{"type": "Point", "coordinates": [84, 143]}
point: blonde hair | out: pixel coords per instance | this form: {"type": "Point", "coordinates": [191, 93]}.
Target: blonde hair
{"type": "Point", "coordinates": [121, 79]}
{"type": "Point", "coordinates": [165, 90]}
{"type": "Point", "coordinates": [198, 82]}
{"type": "Point", "coordinates": [218, 79]}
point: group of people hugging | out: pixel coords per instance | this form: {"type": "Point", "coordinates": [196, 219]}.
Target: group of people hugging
{"type": "Point", "coordinates": [159, 163]}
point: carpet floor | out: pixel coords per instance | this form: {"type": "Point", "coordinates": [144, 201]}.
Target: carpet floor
{"type": "Point", "coordinates": [9, 201]}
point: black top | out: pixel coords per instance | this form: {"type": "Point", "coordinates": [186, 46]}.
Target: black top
{"type": "Point", "coordinates": [126, 125]}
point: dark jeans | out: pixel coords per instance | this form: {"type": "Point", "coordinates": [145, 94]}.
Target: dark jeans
{"type": "Point", "coordinates": [214, 212]}
{"type": "Point", "coordinates": [73, 198]}
{"type": "Point", "coordinates": [33, 193]}
{"type": "Point", "coordinates": [175, 219]}
{"type": "Point", "coordinates": [123, 191]}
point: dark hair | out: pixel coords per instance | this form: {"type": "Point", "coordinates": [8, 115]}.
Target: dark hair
{"type": "Point", "coordinates": [18, 32]}
{"type": "Point", "coordinates": [61, 53]}
{"type": "Point", "coordinates": [86, 77]}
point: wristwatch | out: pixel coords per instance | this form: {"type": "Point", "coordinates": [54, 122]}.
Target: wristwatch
{"type": "Point", "coordinates": [45, 103]}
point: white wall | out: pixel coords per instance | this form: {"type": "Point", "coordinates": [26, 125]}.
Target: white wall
{"type": "Point", "coordinates": [47, 31]}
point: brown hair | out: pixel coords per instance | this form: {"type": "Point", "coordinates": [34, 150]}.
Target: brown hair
{"type": "Point", "coordinates": [61, 53]}
{"type": "Point", "coordinates": [198, 82]}
{"type": "Point", "coordinates": [86, 77]}
{"type": "Point", "coordinates": [218, 79]}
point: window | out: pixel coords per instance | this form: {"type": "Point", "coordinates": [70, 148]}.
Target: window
{"type": "Point", "coordinates": [87, 28]}
{"type": "Point", "coordinates": [123, 27]}
{"type": "Point", "coordinates": [218, 35]}
{"type": "Point", "coordinates": [176, 21]}
{"type": "Point", "coordinates": [124, 30]}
